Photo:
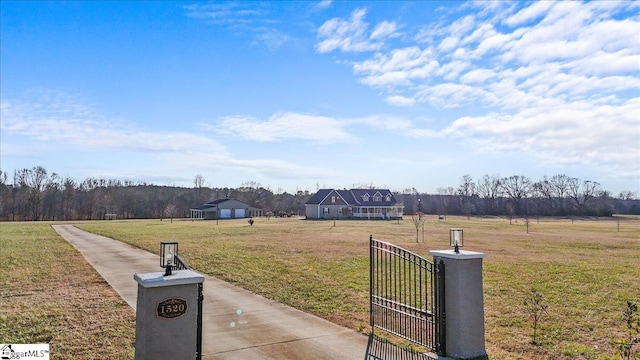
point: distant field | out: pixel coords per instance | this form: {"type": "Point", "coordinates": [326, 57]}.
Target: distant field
{"type": "Point", "coordinates": [585, 270]}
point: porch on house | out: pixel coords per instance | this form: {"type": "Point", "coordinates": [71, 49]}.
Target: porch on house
{"type": "Point", "coordinates": [197, 214]}
{"type": "Point", "coordinates": [377, 212]}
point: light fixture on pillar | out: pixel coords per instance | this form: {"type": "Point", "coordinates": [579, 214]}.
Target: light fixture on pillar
{"type": "Point", "coordinates": [168, 253]}
{"type": "Point", "coordinates": [455, 239]}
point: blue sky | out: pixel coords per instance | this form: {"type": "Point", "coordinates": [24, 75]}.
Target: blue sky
{"type": "Point", "coordinates": [301, 95]}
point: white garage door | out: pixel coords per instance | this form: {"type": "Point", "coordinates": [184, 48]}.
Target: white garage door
{"type": "Point", "coordinates": [239, 213]}
{"type": "Point", "coordinates": [225, 213]}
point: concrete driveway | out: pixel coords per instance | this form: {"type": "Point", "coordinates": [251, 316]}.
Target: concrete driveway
{"type": "Point", "coordinates": [237, 324]}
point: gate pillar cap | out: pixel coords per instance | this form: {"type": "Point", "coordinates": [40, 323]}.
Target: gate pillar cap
{"type": "Point", "coordinates": [463, 254]}
{"type": "Point", "coordinates": [178, 277]}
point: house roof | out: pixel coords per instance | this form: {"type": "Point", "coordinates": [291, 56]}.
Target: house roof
{"type": "Point", "coordinates": [202, 207]}
{"type": "Point", "coordinates": [355, 197]}
{"type": "Point", "coordinates": [217, 201]}
{"type": "Point", "coordinates": [214, 204]}
{"type": "Point", "coordinates": [319, 196]}
{"type": "Point", "coordinates": [360, 194]}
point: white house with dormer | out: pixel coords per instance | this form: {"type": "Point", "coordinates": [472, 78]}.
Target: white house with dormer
{"type": "Point", "coordinates": [373, 204]}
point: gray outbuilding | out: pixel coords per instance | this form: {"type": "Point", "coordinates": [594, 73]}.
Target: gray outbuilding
{"type": "Point", "coordinates": [225, 209]}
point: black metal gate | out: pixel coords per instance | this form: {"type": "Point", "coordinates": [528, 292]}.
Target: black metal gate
{"type": "Point", "coordinates": [182, 265]}
{"type": "Point", "coordinates": [407, 295]}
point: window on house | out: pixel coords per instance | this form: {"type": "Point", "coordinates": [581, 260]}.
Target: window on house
{"type": "Point", "coordinates": [377, 197]}
{"type": "Point", "coordinates": [325, 210]}
{"type": "Point", "coordinates": [388, 197]}
{"type": "Point", "coordinates": [339, 210]}
{"type": "Point", "coordinates": [365, 197]}
{"type": "Point", "coordinates": [333, 199]}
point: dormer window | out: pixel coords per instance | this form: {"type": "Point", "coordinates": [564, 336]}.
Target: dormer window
{"type": "Point", "coordinates": [365, 197]}
{"type": "Point", "coordinates": [388, 197]}
{"type": "Point", "coordinates": [377, 197]}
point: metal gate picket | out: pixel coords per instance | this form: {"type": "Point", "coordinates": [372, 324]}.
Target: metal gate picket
{"type": "Point", "coordinates": [407, 295]}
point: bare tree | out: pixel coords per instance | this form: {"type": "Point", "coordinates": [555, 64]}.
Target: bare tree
{"type": "Point", "coordinates": [418, 221]}
{"type": "Point", "coordinates": [170, 211]}
{"type": "Point", "coordinates": [51, 203]}
{"type": "Point", "coordinates": [198, 183]}
{"type": "Point", "coordinates": [3, 192]}
{"type": "Point", "coordinates": [35, 180]}
{"type": "Point", "coordinates": [544, 189]}
{"type": "Point", "coordinates": [86, 199]}
{"type": "Point", "coordinates": [69, 187]}
{"type": "Point", "coordinates": [517, 187]}
{"type": "Point", "coordinates": [409, 197]}
{"type": "Point", "coordinates": [489, 189]}
{"type": "Point", "coordinates": [17, 190]}
{"type": "Point", "coordinates": [467, 190]}
{"type": "Point", "coordinates": [560, 185]}
{"type": "Point", "coordinates": [255, 194]}
{"type": "Point", "coordinates": [444, 199]}
{"type": "Point", "coordinates": [581, 193]}
{"type": "Point", "coordinates": [627, 195]}
{"type": "Point", "coordinates": [34, 194]}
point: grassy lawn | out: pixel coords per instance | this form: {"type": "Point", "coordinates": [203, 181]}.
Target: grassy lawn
{"type": "Point", "coordinates": [585, 271]}
{"type": "Point", "coordinates": [50, 294]}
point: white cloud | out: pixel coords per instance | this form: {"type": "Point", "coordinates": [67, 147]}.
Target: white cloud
{"type": "Point", "coordinates": [533, 12]}
{"type": "Point", "coordinates": [351, 35]}
{"type": "Point", "coordinates": [598, 135]}
{"type": "Point", "coordinates": [557, 80]}
{"type": "Point", "coordinates": [451, 71]}
{"type": "Point", "coordinates": [322, 5]}
{"type": "Point", "coordinates": [253, 18]}
{"type": "Point", "coordinates": [448, 44]}
{"type": "Point", "coordinates": [492, 41]}
{"type": "Point", "coordinates": [449, 95]}
{"type": "Point", "coordinates": [462, 26]}
{"type": "Point", "coordinates": [383, 122]}
{"type": "Point", "coordinates": [477, 76]}
{"type": "Point", "coordinates": [603, 64]}
{"type": "Point", "coordinates": [65, 120]}
{"type": "Point", "coordinates": [387, 78]}
{"type": "Point", "coordinates": [228, 13]}
{"type": "Point", "coordinates": [54, 121]}
{"type": "Point", "coordinates": [384, 30]}
{"type": "Point", "coordinates": [314, 129]}
{"type": "Point", "coordinates": [399, 100]}
{"type": "Point", "coordinates": [478, 34]}
{"type": "Point", "coordinates": [399, 67]}
{"type": "Point", "coordinates": [280, 169]}
{"type": "Point", "coordinates": [272, 38]}
{"type": "Point", "coordinates": [289, 125]}
{"type": "Point", "coordinates": [235, 14]}
{"type": "Point", "coordinates": [564, 50]}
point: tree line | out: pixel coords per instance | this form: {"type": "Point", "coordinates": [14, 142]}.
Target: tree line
{"type": "Point", "coordinates": [517, 195]}
{"type": "Point", "coordinates": [36, 194]}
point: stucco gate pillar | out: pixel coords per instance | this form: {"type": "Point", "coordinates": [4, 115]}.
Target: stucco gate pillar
{"type": "Point", "coordinates": [167, 315]}
{"type": "Point", "coordinates": [464, 303]}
